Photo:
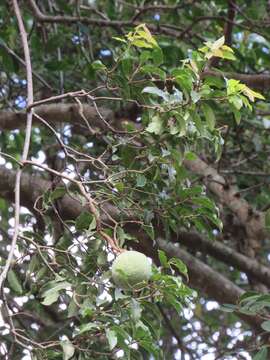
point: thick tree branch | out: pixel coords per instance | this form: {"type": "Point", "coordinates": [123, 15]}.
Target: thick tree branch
{"type": "Point", "coordinates": [254, 81]}
{"type": "Point", "coordinates": [57, 113]}
{"type": "Point", "coordinates": [209, 281]}
{"type": "Point", "coordinates": [228, 195]}
{"type": "Point", "coordinates": [32, 187]}
{"type": "Point", "coordinates": [227, 255]}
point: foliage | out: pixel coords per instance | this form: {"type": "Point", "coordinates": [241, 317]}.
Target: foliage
{"type": "Point", "coordinates": [145, 100]}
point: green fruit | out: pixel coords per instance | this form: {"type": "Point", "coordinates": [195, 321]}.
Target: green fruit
{"type": "Point", "coordinates": [130, 269]}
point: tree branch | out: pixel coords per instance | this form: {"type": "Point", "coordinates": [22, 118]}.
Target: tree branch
{"type": "Point", "coordinates": [57, 113]}
{"type": "Point", "coordinates": [32, 187]}
{"type": "Point", "coordinates": [27, 139]}
{"type": "Point", "coordinates": [227, 255]}
{"type": "Point", "coordinates": [209, 281]}
{"type": "Point", "coordinates": [252, 220]}
{"type": "Point", "coordinates": [255, 81]}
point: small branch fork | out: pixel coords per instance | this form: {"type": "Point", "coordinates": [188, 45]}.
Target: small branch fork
{"type": "Point", "coordinates": [92, 206]}
{"type": "Point", "coordinates": [30, 98]}
{"type": "Point", "coordinates": [93, 209]}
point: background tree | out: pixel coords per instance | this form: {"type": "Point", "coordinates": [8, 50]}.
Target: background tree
{"type": "Point", "coordinates": [134, 125]}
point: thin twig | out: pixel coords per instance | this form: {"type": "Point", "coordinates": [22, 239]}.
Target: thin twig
{"type": "Point", "coordinates": [27, 139]}
{"type": "Point", "coordinates": [12, 53]}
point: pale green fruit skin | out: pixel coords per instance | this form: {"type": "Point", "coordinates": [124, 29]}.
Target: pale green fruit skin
{"type": "Point", "coordinates": [130, 269]}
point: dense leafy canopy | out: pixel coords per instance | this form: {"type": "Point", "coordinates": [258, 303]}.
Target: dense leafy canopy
{"type": "Point", "coordinates": [150, 132]}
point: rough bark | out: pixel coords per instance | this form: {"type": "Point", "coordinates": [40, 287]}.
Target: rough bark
{"type": "Point", "coordinates": [32, 187]}
{"type": "Point", "coordinates": [227, 255]}
{"type": "Point", "coordinates": [252, 220]}
{"type": "Point", "coordinates": [57, 113]}
{"type": "Point", "coordinates": [255, 81]}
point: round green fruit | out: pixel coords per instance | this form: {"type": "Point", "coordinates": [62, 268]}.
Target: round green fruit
{"type": "Point", "coordinates": [130, 269]}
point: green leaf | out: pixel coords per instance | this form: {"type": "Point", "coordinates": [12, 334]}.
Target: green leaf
{"type": "Point", "coordinates": [217, 49]}
{"type": "Point", "coordinates": [214, 81]}
{"type": "Point", "coordinates": [237, 116]}
{"type": "Point", "coordinates": [195, 96]}
{"type": "Point", "coordinates": [180, 266]}
{"type": "Point", "coordinates": [209, 116]}
{"type": "Point", "coordinates": [68, 349]}
{"type": "Point", "coordinates": [236, 101]}
{"type": "Point", "coordinates": [41, 273]}
{"type": "Point", "coordinates": [140, 180]}
{"type": "Point", "coordinates": [155, 91]}
{"type": "Point", "coordinates": [142, 37]}
{"type": "Point", "coordinates": [149, 230]}
{"type": "Point", "coordinates": [163, 258]}
{"type": "Point", "coordinates": [72, 308]}
{"type": "Point", "coordinates": [50, 298]}
{"type": "Point", "coordinates": [198, 122]}
{"type": "Point", "coordinates": [261, 355]}
{"type": "Point", "coordinates": [112, 338]}
{"type": "Point", "coordinates": [155, 126]}
{"type": "Point", "coordinates": [190, 156]}
{"type": "Point", "coordinates": [157, 56]}
{"type": "Point", "coordinates": [51, 295]}
{"type": "Point", "coordinates": [119, 39]}
{"type": "Point", "coordinates": [252, 94]}
{"type": "Point", "coordinates": [136, 310]}
{"type": "Point", "coordinates": [93, 224]}
{"type": "Point", "coordinates": [57, 193]}
{"type": "Point", "coordinates": [142, 44]}
{"type": "Point", "coordinates": [204, 201]}
{"type": "Point", "coordinates": [83, 221]}
{"type": "Point", "coordinates": [98, 65]}
{"type": "Point", "coordinates": [228, 308]}
{"type": "Point", "coordinates": [183, 78]}
{"type": "Point", "coordinates": [87, 327]}
{"type": "Point", "coordinates": [266, 325]}
{"type": "Point", "coordinates": [34, 263]}
{"type": "Point", "coordinates": [150, 69]}
{"type": "Point", "coordinates": [14, 282]}
{"type": "Point", "coordinates": [127, 65]}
